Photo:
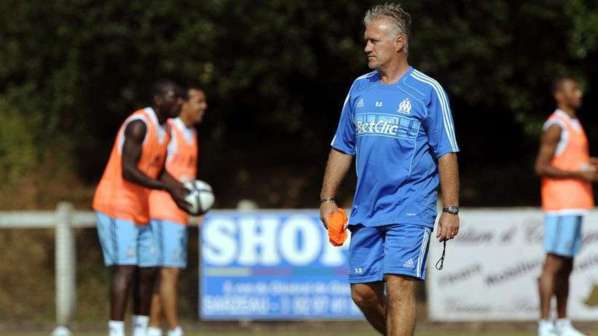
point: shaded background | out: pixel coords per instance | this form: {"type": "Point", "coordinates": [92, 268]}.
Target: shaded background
{"type": "Point", "coordinates": [276, 73]}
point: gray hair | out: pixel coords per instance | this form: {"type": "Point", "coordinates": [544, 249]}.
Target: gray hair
{"type": "Point", "coordinates": [400, 19]}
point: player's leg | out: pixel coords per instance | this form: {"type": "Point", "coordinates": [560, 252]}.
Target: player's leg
{"type": "Point", "coordinates": [400, 318]}
{"type": "Point", "coordinates": [562, 287]}
{"type": "Point", "coordinates": [122, 279]}
{"type": "Point", "coordinates": [118, 239]}
{"type": "Point", "coordinates": [168, 296]}
{"type": "Point", "coordinates": [156, 305]}
{"type": "Point", "coordinates": [405, 261]}
{"type": "Point", "coordinates": [146, 277]}
{"type": "Point", "coordinates": [369, 297]}
{"type": "Point", "coordinates": [155, 312]}
{"type": "Point", "coordinates": [173, 238]}
{"type": "Point", "coordinates": [570, 239]}
{"type": "Point", "coordinates": [366, 253]}
{"type": "Point", "coordinates": [552, 266]}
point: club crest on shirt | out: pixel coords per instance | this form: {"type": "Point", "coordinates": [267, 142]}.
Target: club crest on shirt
{"type": "Point", "coordinates": [405, 106]}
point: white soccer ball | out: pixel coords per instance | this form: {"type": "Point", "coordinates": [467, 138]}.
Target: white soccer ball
{"type": "Point", "coordinates": [200, 197]}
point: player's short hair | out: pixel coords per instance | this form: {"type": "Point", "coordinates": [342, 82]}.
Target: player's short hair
{"type": "Point", "coordinates": [192, 86]}
{"type": "Point", "coordinates": [557, 83]}
{"type": "Point", "coordinates": [400, 19]}
{"type": "Point", "coordinates": [162, 86]}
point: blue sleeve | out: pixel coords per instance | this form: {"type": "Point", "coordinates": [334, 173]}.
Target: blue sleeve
{"type": "Point", "coordinates": [439, 124]}
{"type": "Point", "coordinates": [344, 138]}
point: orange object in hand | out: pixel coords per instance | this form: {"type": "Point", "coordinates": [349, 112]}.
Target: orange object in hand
{"type": "Point", "coordinates": [336, 223]}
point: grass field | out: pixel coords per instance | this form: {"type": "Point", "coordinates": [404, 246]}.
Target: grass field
{"type": "Point", "coordinates": [313, 329]}
{"type": "Point", "coordinates": [306, 333]}
{"type": "Point", "coordinates": [219, 333]}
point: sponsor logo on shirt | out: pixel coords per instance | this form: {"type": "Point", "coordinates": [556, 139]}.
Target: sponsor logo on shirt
{"type": "Point", "coordinates": [386, 125]}
{"type": "Point", "coordinates": [405, 106]}
{"type": "Point", "coordinates": [379, 104]}
{"type": "Point", "coordinates": [360, 103]}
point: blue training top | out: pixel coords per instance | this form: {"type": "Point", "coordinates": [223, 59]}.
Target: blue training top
{"type": "Point", "coordinates": [397, 132]}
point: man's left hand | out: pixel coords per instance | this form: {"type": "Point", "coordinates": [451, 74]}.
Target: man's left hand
{"type": "Point", "coordinates": [448, 227]}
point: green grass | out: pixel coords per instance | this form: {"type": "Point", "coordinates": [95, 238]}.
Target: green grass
{"type": "Point", "coordinates": [294, 333]}
{"type": "Point", "coordinates": [314, 329]}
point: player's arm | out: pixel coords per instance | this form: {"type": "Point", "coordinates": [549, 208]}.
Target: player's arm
{"type": "Point", "coordinates": [176, 189]}
{"type": "Point", "coordinates": [336, 169]}
{"type": "Point", "coordinates": [448, 170]}
{"type": "Point", "coordinates": [339, 159]}
{"type": "Point", "coordinates": [439, 127]}
{"type": "Point", "coordinates": [548, 144]}
{"type": "Point", "coordinates": [131, 153]}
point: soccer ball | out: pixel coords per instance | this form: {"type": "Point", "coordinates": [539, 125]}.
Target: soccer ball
{"type": "Point", "coordinates": [200, 197]}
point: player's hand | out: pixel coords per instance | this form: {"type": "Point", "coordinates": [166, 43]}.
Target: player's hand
{"type": "Point", "coordinates": [448, 227]}
{"type": "Point", "coordinates": [178, 192]}
{"type": "Point", "coordinates": [589, 175]}
{"type": "Point", "coordinates": [327, 209]}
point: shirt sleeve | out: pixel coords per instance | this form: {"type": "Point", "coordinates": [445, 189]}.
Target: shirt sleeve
{"type": "Point", "coordinates": [553, 121]}
{"type": "Point", "coordinates": [344, 138]}
{"type": "Point", "coordinates": [439, 124]}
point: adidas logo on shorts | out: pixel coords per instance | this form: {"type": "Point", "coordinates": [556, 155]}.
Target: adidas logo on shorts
{"type": "Point", "coordinates": [409, 263]}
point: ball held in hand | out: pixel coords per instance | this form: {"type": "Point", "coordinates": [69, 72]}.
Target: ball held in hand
{"type": "Point", "coordinates": [200, 197]}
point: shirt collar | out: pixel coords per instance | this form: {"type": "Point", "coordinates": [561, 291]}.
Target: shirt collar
{"type": "Point", "coordinates": [564, 114]}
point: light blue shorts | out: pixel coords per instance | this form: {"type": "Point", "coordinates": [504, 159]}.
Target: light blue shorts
{"type": "Point", "coordinates": [125, 243]}
{"type": "Point", "coordinates": [172, 243]}
{"type": "Point", "coordinates": [390, 249]}
{"type": "Point", "coordinates": [562, 234]}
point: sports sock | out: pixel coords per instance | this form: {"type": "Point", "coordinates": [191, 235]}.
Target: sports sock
{"type": "Point", "coordinates": [116, 328]}
{"type": "Point", "coordinates": [178, 331]}
{"type": "Point", "coordinates": [140, 323]}
{"type": "Point", "coordinates": [153, 331]}
{"type": "Point", "coordinates": [563, 323]}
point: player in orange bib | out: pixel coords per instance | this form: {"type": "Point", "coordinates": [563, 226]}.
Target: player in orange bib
{"type": "Point", "coordinates": [168, 222]}
{"type": "Point", "coordinates": [567, 173]}
{"type": "Point", "coordinates": [136, 165]}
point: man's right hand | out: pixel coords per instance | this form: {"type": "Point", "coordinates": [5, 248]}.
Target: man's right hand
{"type": "Point", "coordinates": [327, 208]}
{"type": "Point", "coordinates": [178, 192]}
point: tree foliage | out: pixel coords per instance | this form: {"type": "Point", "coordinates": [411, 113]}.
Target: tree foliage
{"type": "Point", "coordinates": [276, 73]}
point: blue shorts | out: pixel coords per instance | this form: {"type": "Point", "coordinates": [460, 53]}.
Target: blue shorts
{"type": "Point", "coordinates": [562, 234]}
{"type": "Point", "coordinates": [125, 243]}
{"type": "Point", "coordinates": [390, 249]}
{"type": "Point", "coordinates": [172, 243]}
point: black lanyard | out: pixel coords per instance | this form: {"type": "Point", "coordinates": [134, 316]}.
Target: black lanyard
{"type": "Point", "coordinates": [440, 263]}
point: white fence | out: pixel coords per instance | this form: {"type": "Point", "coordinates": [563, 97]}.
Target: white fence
{"type": "Point", "coordinates": [472, 260]}
{"type": "Point", "coordinates": [63, 220]}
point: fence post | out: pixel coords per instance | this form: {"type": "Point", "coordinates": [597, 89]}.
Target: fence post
{"type": "Point", "coordinates": [64, 268]}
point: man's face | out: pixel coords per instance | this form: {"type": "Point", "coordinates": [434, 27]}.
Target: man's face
{"type": "Point", "coordinates": [169, 103]}
{"type": "Point", "coordinates": [381, 45]}
{"type": "Point", "coordinates": [195, 107]}
{"type": "Point", "coordinates": [570, 94]}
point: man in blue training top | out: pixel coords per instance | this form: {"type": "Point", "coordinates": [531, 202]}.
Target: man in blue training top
{"type": "Point", "coordinates": [397, 123]}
